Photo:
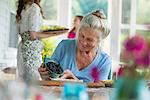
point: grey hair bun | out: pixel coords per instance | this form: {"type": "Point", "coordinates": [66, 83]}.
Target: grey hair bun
{"type": "Point", "coordinates": [98, 21]}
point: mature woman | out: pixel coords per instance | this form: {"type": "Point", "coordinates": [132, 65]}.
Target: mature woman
{"type": "Point", "coordinates": [79, 57]}
{"type": "Point", "coordinates": [29, 19]}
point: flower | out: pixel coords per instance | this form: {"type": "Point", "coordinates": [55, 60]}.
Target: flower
{"type": "Point", "coordinates": [135, 44]}
{"type": "Point", "coordinates": [136, 53]}
{"type": "Point", "coordinates": [136, 58]}
{"type": "Point", "coordinates": [144, 60]}
{"type": "Point", "coordinates": [95, 74]}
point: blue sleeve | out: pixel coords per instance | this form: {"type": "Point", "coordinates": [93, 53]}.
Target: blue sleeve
{"type": "Point", "coordinates": [105, 70]}
{"type": "Point", "coordinates": [59, 52]}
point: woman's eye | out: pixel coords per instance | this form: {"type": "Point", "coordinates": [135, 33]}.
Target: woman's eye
{"type": "Point", "coordinates": [81, 36]}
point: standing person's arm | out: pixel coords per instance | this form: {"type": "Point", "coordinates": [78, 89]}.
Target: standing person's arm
{"type": "Point", "coordinates": [35, 17]}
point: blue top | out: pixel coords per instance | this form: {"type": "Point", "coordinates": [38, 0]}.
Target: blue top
{"type": "Point", "coordinates": [65, 55]}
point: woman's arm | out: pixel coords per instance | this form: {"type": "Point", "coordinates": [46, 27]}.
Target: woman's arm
{"type": "Point", "coordinates": [72, 30]}
{"type": "Point", "coordinates": [44, 72]}
{"type": "Point", "coordinates": [35, 18]}
{"type": "Point", "coordinates": [69, 75]}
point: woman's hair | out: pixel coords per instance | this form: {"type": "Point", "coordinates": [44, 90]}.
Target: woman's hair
{"type": "Point", "coordinates": [96, 20]}
{"type": "Point", "coordinates": [22, 4]}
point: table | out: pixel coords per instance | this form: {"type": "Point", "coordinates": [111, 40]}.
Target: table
{"type": "Point", "coordinates": [95, 91]}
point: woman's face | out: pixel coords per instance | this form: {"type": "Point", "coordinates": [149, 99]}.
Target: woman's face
{"type": "Point", "coordinates": [88, 39]}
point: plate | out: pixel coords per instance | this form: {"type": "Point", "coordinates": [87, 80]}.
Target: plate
{"type": "Point", "coordinates": [60, 30]}
{"type": "Point", "coordinates": [66, 80]}
{"type": "Point", "coordinates": [53, 28]}
{"type": "Point", "coordinates": [55, 33]}
{"type": "Point", "coordinates": [108, 83]}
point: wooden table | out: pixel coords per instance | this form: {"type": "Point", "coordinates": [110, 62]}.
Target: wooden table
{"type": "Point", "coordinates": [96, 91]}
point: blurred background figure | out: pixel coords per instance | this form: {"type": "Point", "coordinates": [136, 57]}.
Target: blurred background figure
{"type": "Point", "coordinates": [76, 22]}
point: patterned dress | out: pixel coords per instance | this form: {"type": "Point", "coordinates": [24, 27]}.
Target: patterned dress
{"type": "Point", "coordinates": [29, 51]}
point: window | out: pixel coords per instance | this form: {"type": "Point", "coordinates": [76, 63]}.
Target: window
{"type": "Point", "coordinates": [143, 20]}
{"type": "Point", "coordinates": [126, 8]}
{"type": "Point", "coordinates": [128, 17]}
{"type": "Point", "coordinates": [124, 35]}
{"type": "Point", "coordinates": [49, 8]}
{"type": "Point", "coordinates": [125, 20]}
{"type": "Point", "coordinates": [143, 12]}
{"type": "Point", "coordinates": [13, 4]}
{"type": "Point", "coordinates": [135, 19]}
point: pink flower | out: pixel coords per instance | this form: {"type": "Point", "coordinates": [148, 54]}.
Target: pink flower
{"type": "Point", "coordinates": [95, 74]}
{"type": "Point", "coordinates": [120, 72]}
{"type": "Point", "coordinates": [135, 44]}
{"type": "Point", "coordinates": [136, 54]}
{"type": "Point", "coordinates": [144, 60]}
{"type": "Point", "coordinates": [137, 51]}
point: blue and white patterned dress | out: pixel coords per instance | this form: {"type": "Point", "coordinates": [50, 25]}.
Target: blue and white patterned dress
{"type": "Point", "coordinates": [29, 51]}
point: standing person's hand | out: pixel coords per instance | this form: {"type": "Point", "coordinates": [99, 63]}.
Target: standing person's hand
{"type": "Point", "coordinates": [69, 75]}
{"type": "Point", "coordinates": [44, 72]}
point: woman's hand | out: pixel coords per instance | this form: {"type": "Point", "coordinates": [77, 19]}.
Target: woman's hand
{"type": "Point", "coordinates": [44, 72]}
{"type": "Point", "coordinates": [69, 75]}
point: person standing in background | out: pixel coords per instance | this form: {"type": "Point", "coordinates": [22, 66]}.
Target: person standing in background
{"type": "Point", "coordinates": [76, 22]}
{"type": "Point", "coordinates": [29, 20]}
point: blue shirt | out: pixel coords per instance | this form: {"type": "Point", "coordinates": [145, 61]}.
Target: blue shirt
{"type": "Point", "coordinates": [65, 55]}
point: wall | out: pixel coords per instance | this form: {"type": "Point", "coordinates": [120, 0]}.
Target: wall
{"type": "Point", "coordinates": [7, 55]}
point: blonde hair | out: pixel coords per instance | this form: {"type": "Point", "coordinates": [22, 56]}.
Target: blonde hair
{"type": "Point", "coordinates": [96, 20]}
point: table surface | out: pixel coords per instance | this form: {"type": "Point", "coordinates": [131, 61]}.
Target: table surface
{"type": "Point", "coordinates": [96, 91]}
{"type": "Point", "coordinates": [108, 83]}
